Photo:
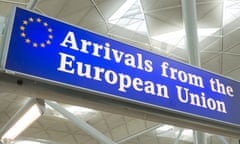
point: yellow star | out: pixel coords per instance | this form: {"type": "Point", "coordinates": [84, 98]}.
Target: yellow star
{"type": "Point", "coordinates": [27, 40]}
{"type": "Point", "coordinates": [45, 24]}
{"type": "Point", "coordinates": [39, 20]}
{"type": "Point", "coordinates": [25, 22]}
{"type": "Point", "coordinates": [50, 36]}
{"type": "Point", "coordinates": [31, 19]}
{"type": "Point", "coordinates": [48, 42]}
{"type": "Point", "coordinates": [35, 44]}
{"type": "Point", "coordinates": [50, 30]}
{"type": "Point", "coordinates": [23, 34]}
{"type": "Point", "coordinates": [42, 45]}
{"type": "Point", "coordinates": [22, 28]}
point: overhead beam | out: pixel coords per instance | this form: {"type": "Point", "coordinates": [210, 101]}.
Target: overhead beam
{"type": "Point", "coordinates": [81, 124]}
{"type": "Point", "coordinates": [200, 137]}
{"type": "Point", "coordinates": [223, 139]}
{"type": "Point", "coordinates": [178, 136]}
{"type": "Point", "coordinates": [139, 134]}
{"type": "Point", "coordinates": [190, 24]}
{"type": "Point", "coordinates": [189, 13]}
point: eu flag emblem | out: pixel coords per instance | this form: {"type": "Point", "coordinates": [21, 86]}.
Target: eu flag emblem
{"type": "Point", "coordinates": [36, 32]}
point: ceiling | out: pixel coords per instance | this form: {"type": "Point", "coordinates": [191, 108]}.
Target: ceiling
{"type": "Point", "coordinates": [149, 25]}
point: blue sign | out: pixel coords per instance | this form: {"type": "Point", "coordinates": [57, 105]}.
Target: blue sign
{"type": "Point", "coordinates": [48, 49]}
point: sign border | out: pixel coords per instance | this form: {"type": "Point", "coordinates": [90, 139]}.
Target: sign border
{"type": "Point", "coordinates": [6, 43]}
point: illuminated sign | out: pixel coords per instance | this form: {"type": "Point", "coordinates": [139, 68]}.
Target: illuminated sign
{"type": "Point", "coordinates": [44, 48]}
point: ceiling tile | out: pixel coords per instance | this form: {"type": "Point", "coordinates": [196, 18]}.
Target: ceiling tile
{"type": "Point", "coordinates": [213, 64]}
{"type": "Point", "coordinates": [209, 14]}
{"type": "Point", "coordinates": [231, 40]}
{"type": "Point", "coordinates": [114, 121]}
{"type": "Point", "coordinates": [135, 126]}
{"type": "Point", "coordinates": [234, 74]}
{"type": "Point", "coordinates": [230, 62]}
{"type": "Point", "coordinates": [155, 5]}
{"type": "Point", "coordinates": [119, 132]}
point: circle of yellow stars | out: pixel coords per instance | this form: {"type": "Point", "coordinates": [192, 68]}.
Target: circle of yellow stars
{"type": "Point", "coordinates": [30, 41]}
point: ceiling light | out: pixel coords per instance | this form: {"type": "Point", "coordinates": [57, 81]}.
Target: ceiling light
{"type": "Point", "coordinates": [230, 11]}
{"type": "Point", "coordinates": [121, 11]}
{"type": "Point", "coordinates": [165, 128]}
{"type": "Point", "coordinates": [78, 109]}
{"type": "Point", "coordinates": [32, 140]}
{"type": "Point", "coordinates": [187, 132]}
{"type": "Point", "coordinates": [177, 38]}
{"type": "Point", "coordinates": [29, 113]}
{"type": "Point", "coordinates": [130, 16]}
{"type": "Point", "coordinates": [27, 142]}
